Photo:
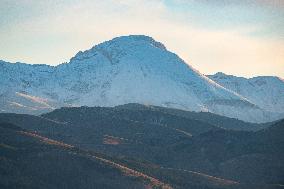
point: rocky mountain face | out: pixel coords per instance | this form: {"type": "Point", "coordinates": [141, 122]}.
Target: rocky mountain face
{"type": "Point", "coordinates": [128, 69]}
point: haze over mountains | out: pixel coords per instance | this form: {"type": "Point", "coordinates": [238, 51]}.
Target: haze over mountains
{"type": "Point", "coordinates": [136, 69]}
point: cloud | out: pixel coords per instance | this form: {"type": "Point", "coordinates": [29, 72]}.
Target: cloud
{"type": "Point", "coordinates": [270, 3]}
{"type": "Point", "coordinates": [56, 34]}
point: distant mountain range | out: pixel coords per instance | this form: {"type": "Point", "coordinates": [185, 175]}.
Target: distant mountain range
{"type": "Point", "coordinates": [136, 69]}
{"type": "Point", "coordinates": [138, 146]}
{"type": "Point", "coordinates": [266, 92]}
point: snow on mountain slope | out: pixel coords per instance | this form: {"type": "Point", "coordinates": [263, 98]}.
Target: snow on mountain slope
{"type": "Point", "coordinates": [128, 69]}
{"type": "Point", "coordinates": [19, 86]}
{"type": "Point", "coordinates": [267, 92]}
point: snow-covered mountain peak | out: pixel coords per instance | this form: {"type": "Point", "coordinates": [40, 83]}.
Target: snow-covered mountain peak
{"type": "Point", "coordinates": [118, 47]}
{"type": "Point", "coordinates": [265, 91]}
{"type": "Point", "coordinates": [130, 41]}
{"type": "Point", "coordinates": [127, 69]}
{"type": "Point", "coordinates": [221, 75]}
{"type": "Point", "coordinates": [138, 56]}
{"type": "Point", "coordinates": [266, 80]}
{"type": "Point", "coordinates": [257, 81]}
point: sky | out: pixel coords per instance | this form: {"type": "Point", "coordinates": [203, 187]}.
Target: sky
{"type": "Point", "coordinates": [238, 37]}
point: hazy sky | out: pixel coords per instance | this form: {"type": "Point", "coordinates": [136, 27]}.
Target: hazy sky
{"type": "Point", "coordinates": [240, 37]}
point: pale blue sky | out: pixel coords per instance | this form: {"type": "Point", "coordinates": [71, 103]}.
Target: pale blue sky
{"type": "Point", "coordinates": [223, 14]}
{"type": "Point", "coordinates": [240, 37]}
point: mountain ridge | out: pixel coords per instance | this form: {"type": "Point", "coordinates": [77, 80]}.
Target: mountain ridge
{"type": "Point", "coordinates": [151, 142]}
{"type": "Point", "coordinates": [265, 91]}
{"type": "Point", "coordinates": [127, 69]}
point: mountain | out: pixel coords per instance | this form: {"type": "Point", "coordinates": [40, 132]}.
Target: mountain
{"type": "Point", "coordinates": [29, 160]}
{"type": "Point", "coordinates": [249, 157]}
{"type": "Point", "coordinates": [177, 151]}
{"type": "Point", "coordinates": [25, 154]}
{"type": "Point", "coordinates": [205, 117]}
{"type": "Point", "coordinates": [94, 127]}
{"type": "Point", "coordinates": [127, 69]}
{"type": "Point", "coordinates": [267, 92]}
